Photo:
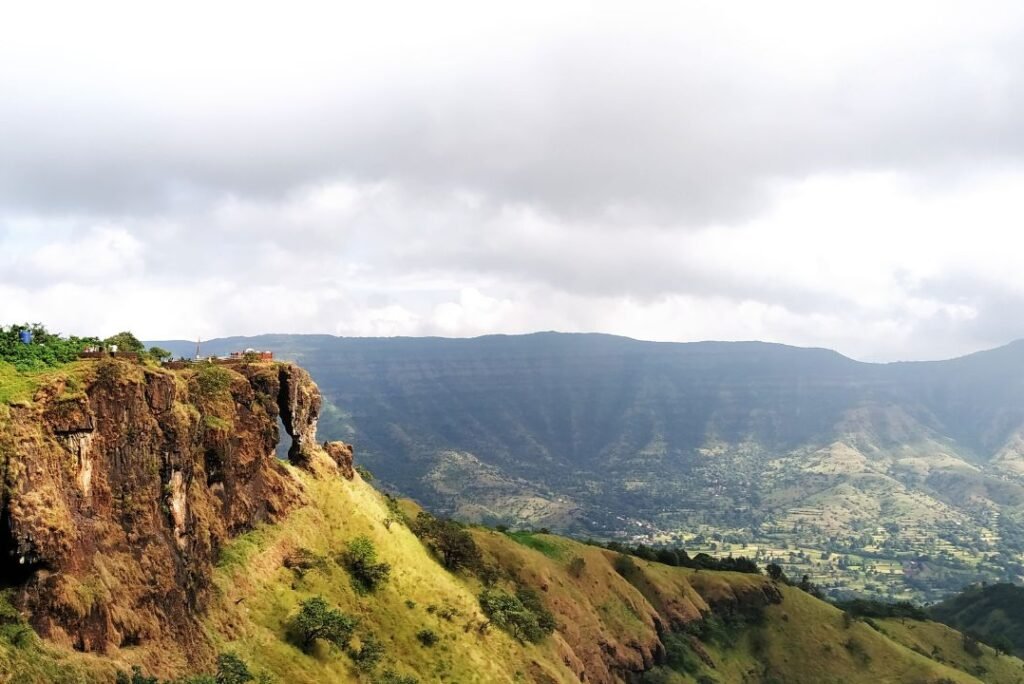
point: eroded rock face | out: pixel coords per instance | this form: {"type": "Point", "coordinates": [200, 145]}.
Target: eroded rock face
{"type": "Point", "coordinates": [342, 455]}
{"type": "Point", "coordinates": [117, 500]}
{"type": "Point", "coordinates": [300, 403]}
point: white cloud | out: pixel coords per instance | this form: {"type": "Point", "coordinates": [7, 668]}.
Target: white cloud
{"type": "Point", "coordinates": [801, 172]}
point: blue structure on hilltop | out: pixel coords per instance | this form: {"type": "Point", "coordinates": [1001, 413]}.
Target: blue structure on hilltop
{"type": "Point", "coordinates": [25, 336]}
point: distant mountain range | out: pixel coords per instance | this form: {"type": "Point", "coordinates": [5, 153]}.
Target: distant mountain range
{"type": "Point", "coordinates": [899, 479]}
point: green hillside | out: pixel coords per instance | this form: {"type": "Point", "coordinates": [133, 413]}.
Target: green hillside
{"type": "Point", "coordinates": [992, 613]}
{"type": "Point", "coordinates": [613, 621]}
{"type": "Point", "coordinates": [898, 480]}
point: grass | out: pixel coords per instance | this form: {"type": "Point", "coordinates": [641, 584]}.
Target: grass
{"type": "Point", "coordinates": [16, 386]}
{"type": "Point", "coordinates": [251, 568]}
{"type": "Point", "coordinates": [551, 546]}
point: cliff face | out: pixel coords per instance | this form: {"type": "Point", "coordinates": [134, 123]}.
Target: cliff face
{"type": "Point", "coordinates": [120, 484]}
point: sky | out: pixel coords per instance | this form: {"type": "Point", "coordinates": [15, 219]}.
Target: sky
{"type": "Point", "coordinates": [844, 175]}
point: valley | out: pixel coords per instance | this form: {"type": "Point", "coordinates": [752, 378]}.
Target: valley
{"type": "Point", "coordinates": [894, 480]}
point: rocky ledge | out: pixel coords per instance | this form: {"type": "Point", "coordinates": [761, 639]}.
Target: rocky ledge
{"type": "Point", "coordinates": [121, 483]}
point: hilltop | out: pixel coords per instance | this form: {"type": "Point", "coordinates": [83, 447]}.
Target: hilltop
{"type": "Point", "coordinates": [900, 480]}
{"type": "Point", "coordinates": [147, 522]}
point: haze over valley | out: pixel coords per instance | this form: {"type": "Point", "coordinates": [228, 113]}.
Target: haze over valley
{"type": "Point", "coordinates": [900, 480]}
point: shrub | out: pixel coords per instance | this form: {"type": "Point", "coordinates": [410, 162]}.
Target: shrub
{"type": "Point", "coordinates": [882, 609]}
{"type": "Point", "coordinates": [521, 615]}
{"type": "Point", "coordinates": [857, 650]}
{"type": "Point", "coordinates": [360, 561]}
{"type": "Point", "coordinates": [232, 670]}
{"type": "Point", "coordinates": [427, 637]}
{"type": "Point", "coordinates": [776, 573]}
{"type": "Point", "coordinates": [13, 629]}
{"type": "Point", "coordinates": [364, 473]}
{"type": "Point", "coordinates": [370, 653]}
{"type": "Point", "coordinates": [625, 565]}
{"type": "Point", "coordinates": [678, 654]}
{"type": "Point", "coordinates": [447, 612]}
{"type": "Point", "coordinates": [316, 620]}
{"type": "Point", "coordinates": [136, 677]}
{"type": "Point", "coordinates": [302, 561]}
{"type": "Point", "coordinates": [971, 646]}
{"type": "Point", "coordinates": [577, 566]}
{"type": "Point", "coordinates": [212, 380]}
{"type": "Point", "coordinates": [46, 350]}
{"type": "Point", "coordinates": [392, 677]}
{"type": "Point", "coordinates": [448, 539]}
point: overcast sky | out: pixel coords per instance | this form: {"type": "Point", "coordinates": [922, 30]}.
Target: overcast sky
{"type": "Point", "coordinates": [847, 175]}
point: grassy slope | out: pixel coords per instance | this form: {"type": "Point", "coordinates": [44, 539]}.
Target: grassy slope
{"type": "Point", "coordinates": [800, 640]}
{"type": "Point", "coordinates": [947, 645]}
{"type": "Point", "coordinates": [994, 613]}
{"type": "Point", "coordinates": [339, 512]}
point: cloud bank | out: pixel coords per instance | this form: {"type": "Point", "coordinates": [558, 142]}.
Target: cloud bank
{"type": "Point", "coordinates": [841, 177]}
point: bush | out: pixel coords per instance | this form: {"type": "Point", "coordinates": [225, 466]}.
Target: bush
{"type": "Point", "coordinates": [678, 654]}
{"type": "Point", "coordinates": [427, 637]}
{"type": "Point", "coordinates": [316, 620]}
{"type": "Point", "coordinates": [232, 670]}
{"type": "Point", "coordinates": [577, 566]}
{"type": "Point", "coordinates": [865, 608]}
{"type": "Point", "coordinates": [449, 540]}
{"type": "Point", "coordinates": [522, 615]}
{"type": "Point", "coordinates": [971, 646]}
{"type": "Point", "coordinates": [13, 629]}
{"type": "Point", "coordinates": [857, 650]}
{"type": "Point", "coordinates": [46, 350]}
{"type": "Point", "coordinates": [302, 561]}
{"type": "Point", "coordinates": [392, 677]}
{"type": "Point", "coordinates": [370, 653]}
{"type": "Point", "coordinates": [360, 561]}
{"type": "Point", "coordinates": [626, 566]}
{"type": "Point", "coordinates": [136, 677]}
{"type": "Point", "coordinates": [776, 573]}
{"type": "Point", "coordinates": [364, 473]}
{"type": "Point", "coordinates": [212, 380]}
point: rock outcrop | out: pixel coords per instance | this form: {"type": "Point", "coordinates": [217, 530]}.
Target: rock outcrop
{"type": "Point", "coordinates": [120, 484]}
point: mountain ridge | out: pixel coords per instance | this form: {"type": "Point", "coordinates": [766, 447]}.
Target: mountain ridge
{"type": "Point", "coordinates": [768, 446]}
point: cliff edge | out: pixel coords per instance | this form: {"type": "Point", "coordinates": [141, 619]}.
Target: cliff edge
{"type": "Point", "coordinates": [121, 482]}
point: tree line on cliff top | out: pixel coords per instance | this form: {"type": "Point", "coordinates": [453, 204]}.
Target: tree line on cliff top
{"type": "Point", "coordinates": [44, 349]}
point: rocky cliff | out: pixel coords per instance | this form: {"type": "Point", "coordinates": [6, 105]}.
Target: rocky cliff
{"type": "Point", "coordinates": [121, 483]}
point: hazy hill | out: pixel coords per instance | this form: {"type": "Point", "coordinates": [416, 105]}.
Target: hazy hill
{"type": "Point", "coordinates": [908, 473]}
{"type": "Point", "coordinates": [992, 613]}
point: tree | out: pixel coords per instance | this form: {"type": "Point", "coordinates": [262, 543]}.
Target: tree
{"type": "Point", "coordinates": [317, 620]}
{"type": "Point", "coordinates": [232, 670]}
{"type": "Point", "coordinates": [523, 615]}
{"type": "Point", "coordinates": [46, 349]}
{"type": "Point", "coordinates": [449, 539]}
{"type": "Point", "coordinates": [125, 342]}
{"type": "Point", "coordinates": [775, 572]}
{"type": "Point", "coordinates": [971, 646]}
{"type": "Point", "coordinates": [360, 560]}
{"type": "Point", "coordinates": [159, 354]}
{"type": "Point", "coordinates": [370, 653]}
